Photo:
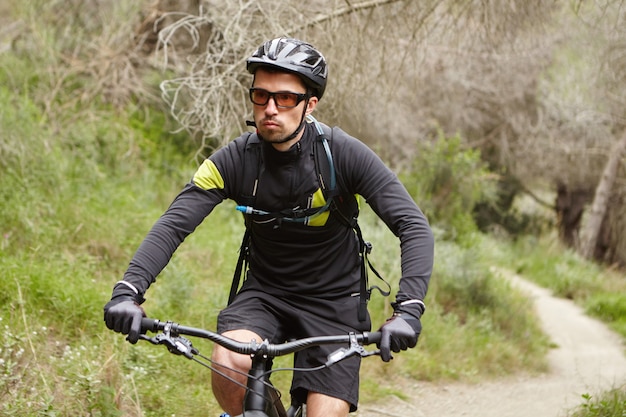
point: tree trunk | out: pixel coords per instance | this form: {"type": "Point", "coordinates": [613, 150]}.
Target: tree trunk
{"type": "Point", "coordinates": [591, 230]}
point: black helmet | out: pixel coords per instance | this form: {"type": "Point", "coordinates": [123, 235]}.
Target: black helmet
{"type": "Point", "coordinates": [295, 56]}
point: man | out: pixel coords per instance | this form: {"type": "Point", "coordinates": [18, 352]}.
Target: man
{"type": "Point", "coordinates": [304, 277]}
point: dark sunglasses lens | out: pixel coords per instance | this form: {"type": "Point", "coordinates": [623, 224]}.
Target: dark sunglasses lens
{"type": "Point", "coordinates": [286, 99]}
{"type": "Point", "coordinates": [259, 97]}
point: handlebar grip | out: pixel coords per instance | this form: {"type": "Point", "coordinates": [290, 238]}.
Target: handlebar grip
{"type": "Point", "coordinates": [373, 337]}
{"type": "Point", "coordinates": [148, 324]}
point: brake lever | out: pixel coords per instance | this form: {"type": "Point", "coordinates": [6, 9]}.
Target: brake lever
{"type": "Point", "coordinates": [148, 339]}
{"type": "Point", "coordinates": [367, 353]}
{"type": "Point", "coordinates": [177, 345]}
{"type": "Point", "coordinates": [354, 349]}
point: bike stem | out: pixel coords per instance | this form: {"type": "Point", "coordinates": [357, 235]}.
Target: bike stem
{"type": "Point", "coordinates": [257, 397]}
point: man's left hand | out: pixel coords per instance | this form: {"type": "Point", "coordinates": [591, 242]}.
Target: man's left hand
{"type": "Point", "coordinates": [399, 332]}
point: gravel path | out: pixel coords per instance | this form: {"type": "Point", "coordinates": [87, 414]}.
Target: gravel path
{"type": "Point", "coordinates": [588, 359]}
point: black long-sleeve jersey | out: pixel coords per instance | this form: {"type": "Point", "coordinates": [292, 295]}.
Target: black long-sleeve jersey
{"type": "Point", "coordinates": [318, 258]}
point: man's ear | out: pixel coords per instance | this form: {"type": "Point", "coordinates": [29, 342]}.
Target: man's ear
{"type": "Point", "coordinates": [311, 104]}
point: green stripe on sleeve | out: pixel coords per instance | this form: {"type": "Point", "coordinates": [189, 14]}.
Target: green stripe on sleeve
{"type": "Point", "coordinates": [208, 177]}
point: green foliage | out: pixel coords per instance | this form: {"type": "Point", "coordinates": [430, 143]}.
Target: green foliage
{"type": "Point", "coordinates": [505, 211]}
{"type": "Point", "coordinates": [608, 404]}
{"type": "Point", "coordinates": [57, 177]}
{"type": "Point", "coordinates": [610, 307]}
{"type": "Point", "coordinates": [552, 266]}
{"type": "Point", "coordinates": [52, 363]}
{"type": "Point", "coordinates": [158, 143]}
{"type": "Point", "coordinates": [449, 180]}
{"type": "Point", "coordinates": [24, 160]}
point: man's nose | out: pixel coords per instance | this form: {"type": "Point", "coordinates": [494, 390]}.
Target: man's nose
{"type": "Point", "coordinates": [271, 106]}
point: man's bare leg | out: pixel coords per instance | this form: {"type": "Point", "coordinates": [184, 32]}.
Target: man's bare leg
{"type": "Point", "coordinates": [229, 395]}
{"type": "Point", "coordinates": [320, 405]}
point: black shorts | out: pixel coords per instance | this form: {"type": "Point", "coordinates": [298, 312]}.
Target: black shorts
{"type": "Point", "coordinates": [279, 319]}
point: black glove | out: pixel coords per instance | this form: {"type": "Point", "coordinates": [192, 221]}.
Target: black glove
{"type": "Point", "coordinates": [123, 313]}
{"type": "Point", "coordinates": [399, 332]}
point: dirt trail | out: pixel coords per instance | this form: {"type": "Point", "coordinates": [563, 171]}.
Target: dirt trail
{"type": "Point", "coordinates": [589, 358]}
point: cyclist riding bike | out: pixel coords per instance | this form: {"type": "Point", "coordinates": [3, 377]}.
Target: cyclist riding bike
{"type": "Point", "coordinates": [295, 180]}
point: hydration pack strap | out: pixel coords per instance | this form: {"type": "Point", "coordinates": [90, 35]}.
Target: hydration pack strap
{"type": "Point", "coordinates": [242, 265]}
{"type": "Point", "coordinates": [365, 291]}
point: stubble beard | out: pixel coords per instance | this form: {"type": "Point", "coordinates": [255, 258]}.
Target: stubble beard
{"type": "Point", "coordinates": [277, 136]}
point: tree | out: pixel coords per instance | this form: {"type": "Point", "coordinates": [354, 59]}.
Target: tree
{"type": "Point", "coordinates": [601, 200]}
{"type": "Point", "coordinates": [526, 82]}
{"type": "Point", "coordinates": [603, 231]}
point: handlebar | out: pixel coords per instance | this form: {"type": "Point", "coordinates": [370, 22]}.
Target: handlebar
{"type": "Point", "coordinates": [254, 347]}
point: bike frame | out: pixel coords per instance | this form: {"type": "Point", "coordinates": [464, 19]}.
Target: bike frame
{"type": "Point", "coordinates": [260, 399]}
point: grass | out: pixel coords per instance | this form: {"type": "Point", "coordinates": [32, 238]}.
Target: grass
{"type": "Point", "coordinates": [608, 404]}
{"type": "Point", "coordinates": [600, 291]}
{"type": "Point", "coordinates": [81, 184]}
{"type": "Point", "coordinates": [59, 359]}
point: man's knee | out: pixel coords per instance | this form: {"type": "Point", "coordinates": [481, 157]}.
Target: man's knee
{"type": "Point", "coordinates": [225, 360]}
{"type": "Point", "coordinates": [230, 373]}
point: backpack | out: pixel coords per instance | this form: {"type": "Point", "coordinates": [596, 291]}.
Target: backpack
{"type": "Point", "coordinates": [345, 208]}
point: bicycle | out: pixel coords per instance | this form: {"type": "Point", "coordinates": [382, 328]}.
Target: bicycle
{"type": "Point", "coordinates": [262, 398]}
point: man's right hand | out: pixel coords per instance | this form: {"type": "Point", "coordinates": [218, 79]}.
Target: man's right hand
{"type": "Point", "coordinates": [123, 315]}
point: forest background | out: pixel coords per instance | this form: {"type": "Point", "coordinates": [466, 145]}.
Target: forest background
{"type": "Point", "coordinates": [506, 121]}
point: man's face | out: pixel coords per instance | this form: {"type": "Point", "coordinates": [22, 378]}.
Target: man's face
{"type": "Point", "coordinates": [276, 123]}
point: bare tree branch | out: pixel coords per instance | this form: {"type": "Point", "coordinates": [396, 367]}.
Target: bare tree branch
{"type": "Point", "coordinates": [351, 8]}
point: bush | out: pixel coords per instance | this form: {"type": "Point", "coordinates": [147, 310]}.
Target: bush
{"type": "Point", "coordinates": [449, 180]}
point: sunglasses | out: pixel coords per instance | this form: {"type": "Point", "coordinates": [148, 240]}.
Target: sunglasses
{"type": "Point", "coordinates": [283, 99]}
